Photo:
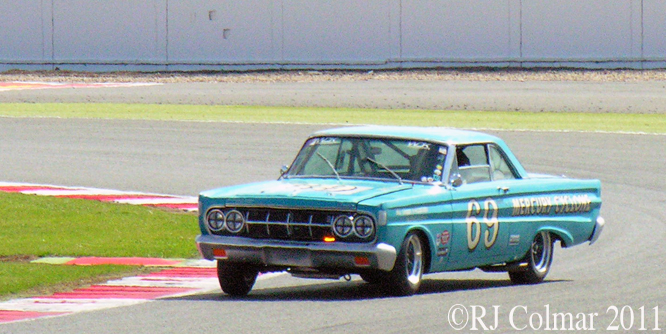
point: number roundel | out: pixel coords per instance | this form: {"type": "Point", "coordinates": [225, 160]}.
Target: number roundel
{"type": "Point", "coordinates": [490, 212]}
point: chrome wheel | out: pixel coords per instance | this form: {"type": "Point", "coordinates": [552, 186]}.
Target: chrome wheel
{"type": "Point", "coordinates": [405, 278]}
{"type": "Point", "coordinates": [414, 258]}
{"type": "Point", "coordinates": [542, 252]}
{"type": "Point", "coordinates": [537, 261]}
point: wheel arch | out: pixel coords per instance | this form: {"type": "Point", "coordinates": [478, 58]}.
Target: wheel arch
{"type": "Point", "coordinates": [565, 238]}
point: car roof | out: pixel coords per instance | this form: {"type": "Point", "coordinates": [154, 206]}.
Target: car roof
{"type": "Point", "coordinates": [436, 134]}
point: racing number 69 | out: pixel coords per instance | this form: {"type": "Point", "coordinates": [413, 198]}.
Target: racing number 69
{"type": "Point", "coordinates": [474, 225]}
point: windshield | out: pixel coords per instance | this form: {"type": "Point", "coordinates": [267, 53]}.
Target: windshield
{"type": "Point", "coordinates": [378, 158]}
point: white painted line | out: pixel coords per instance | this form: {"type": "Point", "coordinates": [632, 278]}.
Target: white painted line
{"type": "Point", "coordinates": [202, 284]}
{"type": "Point", "coordinates": [65, 305]}
{"type": "Point", "coordinates": [74, 192]}
{"type": "Point", "coordinates": [199, 263]}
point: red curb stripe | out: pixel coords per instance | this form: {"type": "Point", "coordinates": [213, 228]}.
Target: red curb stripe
{"type": "Point", "coordinates": [125, 261]}
{"type": "Point", "coordinates": [119, 292]}
{"type": "Point", "coordinates": [9, 316]}
{"type": "Point", "coordinates": [151, 200]}
{"type": "Point", "coordinates": [183, 206]}
{"type": "Point", "coordinates": [18, 189]}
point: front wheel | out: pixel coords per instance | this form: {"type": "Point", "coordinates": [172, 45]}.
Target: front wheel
{"type": "Point", "coordinates": [405, 278]}
{"type": "Point", "coordinates": [538, 260]}
{"type": "Point", "coordinates": [236, 279]}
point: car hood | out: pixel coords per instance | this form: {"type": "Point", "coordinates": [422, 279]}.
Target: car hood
{"type": "Point", "coordinates": [541, 176]}
{"type": "Point", "coordinates": [304, 193]}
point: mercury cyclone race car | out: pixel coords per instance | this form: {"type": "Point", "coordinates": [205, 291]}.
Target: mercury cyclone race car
{"type": "Point", "coordinates": [394, 203]}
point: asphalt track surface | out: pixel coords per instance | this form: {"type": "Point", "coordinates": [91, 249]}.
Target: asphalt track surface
{"type": "Point", "coordinates": [624, 269]}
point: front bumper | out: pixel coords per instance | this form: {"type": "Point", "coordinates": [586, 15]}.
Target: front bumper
{"type": "Point", "coordinates": [335, 255]}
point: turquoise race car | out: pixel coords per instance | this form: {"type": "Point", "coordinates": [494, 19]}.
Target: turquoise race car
{"type": "Point", "coordinates": [393, 203]}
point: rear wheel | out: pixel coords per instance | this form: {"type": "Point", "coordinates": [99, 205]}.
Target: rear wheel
{"type": "Point", "coordinates": [373, 277]}
{"type": "Point", "coordinates": [405, 278]}
{"type": "Point", "coordinates": [236, 279]}
{"type": "Point", "coordinates": [538, 260]}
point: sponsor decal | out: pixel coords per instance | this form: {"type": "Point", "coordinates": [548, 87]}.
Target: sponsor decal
{"type": "Point", "coordinates": [411, 212]}
{"type": "Point", "coordinates": [443, 251]}
{"type": "Point", "coordinates": [514, 239]}
{"type": "Point", "coordinates": [546, 205]}
{"type": "Point", "coordinates": [419, 145]}
{"type": "Point", "coordinates": [443, 238]}
{"type": "Point", "coordinates": [324, 141]}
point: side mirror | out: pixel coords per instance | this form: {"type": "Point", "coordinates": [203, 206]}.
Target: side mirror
{"type": "Point", "coordinates": [456, 180]}
{"type": "Point", "coordinates": [283, 170]}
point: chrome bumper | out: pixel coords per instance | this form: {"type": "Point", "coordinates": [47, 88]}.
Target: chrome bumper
{"type": "Point", "coordinates": [598, 227]}
{"type": "Point", "coordinates": [291, 254]}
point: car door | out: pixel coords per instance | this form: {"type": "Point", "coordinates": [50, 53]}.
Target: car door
{"type": "Point", "coordinates": [480, 206]}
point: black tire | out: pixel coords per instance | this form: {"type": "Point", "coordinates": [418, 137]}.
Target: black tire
{"type": "Point", "coordinates": [405, 278]}
{"type": "Point", "coordinates": [538, 259]}
{"type": "Point", "coordinates": [373, 277]}
{"type": "Point", "coordinates": [236, 279]}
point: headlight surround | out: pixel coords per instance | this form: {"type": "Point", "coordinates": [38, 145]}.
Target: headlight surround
{"type": "Point", "coordinates": [215, 219]}
{"type": "Point", "coordinates": [235, 221]}
{"type": "Point", "coordinates": [354, 227]}
{"type": "Point", "coordinates": [364, 227]}
{"type": "Point", "coordinates": [343, 226]}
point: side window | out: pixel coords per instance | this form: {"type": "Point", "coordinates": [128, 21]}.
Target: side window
{"type": "Point", "coordinates": [501, 170]}
{"type": "Point", "coordinates": [472, 161]}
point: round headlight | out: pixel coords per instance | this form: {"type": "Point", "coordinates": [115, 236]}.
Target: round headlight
{"type": "Point", "coordinates": [343, 226]}
{"type": "Point", "coordinates": [364, 226]}
{"type": "Point", "coordinates": [215, 220]}
{"type": "Point", "coordinates": [235, 221]}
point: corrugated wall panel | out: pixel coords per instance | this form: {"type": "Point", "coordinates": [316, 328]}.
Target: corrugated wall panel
{"type": "Point", "coordinates": [205, 31]}
{"type": "Point", "coordinates": [654, 29]}
{"type": "Point", "coordinates": [109, 31]}
{"type": "Point", "coordinates": [336, 31]}
{"type": "Point", "coordinates": [457, 29]}
{"type": "Point", "coordinates": [25, 28]}
{"type": "Point", "coordinates": [577, 29]}
{"type": "Point", "coordinates": [216, 34]}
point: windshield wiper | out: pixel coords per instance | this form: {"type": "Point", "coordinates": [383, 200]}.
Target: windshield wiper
{"type": "Point", "coordinates": [328, 162]}
{"type": "Point", "coordinates": [386, 168]}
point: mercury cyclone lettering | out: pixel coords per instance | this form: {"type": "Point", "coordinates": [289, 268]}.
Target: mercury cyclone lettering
{"type": "Point", "coordinates": [530, 206]}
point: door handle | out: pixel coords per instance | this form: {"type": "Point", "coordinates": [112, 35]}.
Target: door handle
{"type": "Point", "coordinates": [503, 189]}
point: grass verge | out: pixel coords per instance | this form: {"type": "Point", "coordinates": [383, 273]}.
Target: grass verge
{"type": "Point", "coordinates": [35, 226]}
{"type": "Point", "coordinates": [647, 123]}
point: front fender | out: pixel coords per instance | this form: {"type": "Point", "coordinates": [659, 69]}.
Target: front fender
{"type": "Point", "coordinates": [395, 233]}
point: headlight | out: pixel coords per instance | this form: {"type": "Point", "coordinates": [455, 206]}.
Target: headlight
{"type": "Point", "coordinates": [364, 227]}
{"type": "Point", "coordinates": [215, 220]}
{"type": "Point", "coordinates": [343, 226]}
{"type": "Point", "coordinates": [235, 221]}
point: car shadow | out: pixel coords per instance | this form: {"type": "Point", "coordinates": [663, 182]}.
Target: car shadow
{"type": "Point", "coordinates": [354, 290]}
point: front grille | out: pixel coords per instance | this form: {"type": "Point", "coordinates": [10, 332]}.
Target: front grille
{"type": "Point", "coordinates": [285, 224]}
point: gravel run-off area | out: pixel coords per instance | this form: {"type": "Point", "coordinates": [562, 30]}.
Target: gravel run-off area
{"type": "Point", "coordinates": [341, 75]}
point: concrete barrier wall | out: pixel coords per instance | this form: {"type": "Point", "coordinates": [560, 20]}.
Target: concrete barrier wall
{"type": "Point", "coordinates": [250, 34]}
{"type": "Point", "coordinates": [25, 31]}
